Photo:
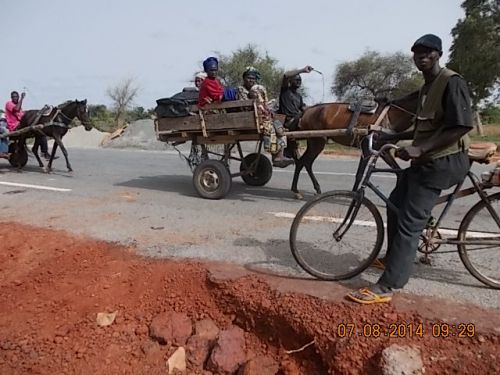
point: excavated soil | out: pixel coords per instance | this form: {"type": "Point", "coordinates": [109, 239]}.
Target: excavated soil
{"type": "Point", "coordinates": [53, 285]}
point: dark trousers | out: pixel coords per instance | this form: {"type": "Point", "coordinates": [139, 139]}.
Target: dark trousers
{"type": "Point", "coordinates": [415, 195]}
{"type": "Point", "coordinates": [44, 147]}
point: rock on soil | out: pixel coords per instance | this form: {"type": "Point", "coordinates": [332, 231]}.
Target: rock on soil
{"type": "Point", "coordinates": [262, 365]}
{"type": "Point", "coordinates": [229, 352]}
{"type": "Point", "coordinates": [171, 328]}
{"type": "Point", "coordinates": [198, 349]}
{"type": "Point", "coordinates": [52, 285]}
{"type": "Point", "coordinates": [401, 360]}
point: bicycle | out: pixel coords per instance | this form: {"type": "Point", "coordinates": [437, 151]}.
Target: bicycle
{"type": "Point", "coordinates": [338, 234]}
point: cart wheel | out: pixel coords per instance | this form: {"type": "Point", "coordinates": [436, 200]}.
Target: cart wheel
{"type": "Point", "coordinates": [211, 179]}
{"type": "Point", "coordinates": [18, 158]}
{"type": "Point", "coordinates": [260, 174]}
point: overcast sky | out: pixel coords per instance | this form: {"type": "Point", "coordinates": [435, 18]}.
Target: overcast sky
{"type": "Point", "coordinates": [66, 49]}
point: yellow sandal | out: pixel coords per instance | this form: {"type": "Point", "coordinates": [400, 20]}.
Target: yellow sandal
{"type": "Point", "coordinates": [378, 263]}
{"type": "Point", "coordinates": [366, 296]}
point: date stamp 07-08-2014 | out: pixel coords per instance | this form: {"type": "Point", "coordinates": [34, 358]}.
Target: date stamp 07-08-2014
{"type": "Point", "coordinates": [406, 330]}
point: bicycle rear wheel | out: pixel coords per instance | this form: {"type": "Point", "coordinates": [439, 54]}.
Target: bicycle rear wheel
{"type": "Point", "coordinates": [312, 235]}
{"type": "Point", "coordinates": [481, 253]}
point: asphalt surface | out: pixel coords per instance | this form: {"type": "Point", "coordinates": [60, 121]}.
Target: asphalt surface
{"type": "Point", "coordinates": [146, 199]}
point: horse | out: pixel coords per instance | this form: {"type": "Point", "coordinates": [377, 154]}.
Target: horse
{"type": "Point", "coordinates": [398, 116]}
{"type": "Point", "coordinates": [59, 117]}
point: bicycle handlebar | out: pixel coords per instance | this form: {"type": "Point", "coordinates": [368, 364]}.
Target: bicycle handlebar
{"type": "Point", "coordinates": [385, 147]}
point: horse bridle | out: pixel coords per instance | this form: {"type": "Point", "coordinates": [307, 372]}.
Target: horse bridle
{"type": "Point", "coordinates": [59, 112]}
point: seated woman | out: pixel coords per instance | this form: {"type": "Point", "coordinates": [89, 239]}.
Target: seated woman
{"type": "Point", "coordinates": [273, 131]}
{"type": "Point", "coordinates": [211, 90]}
{"type": "Point", "coordinates": [198, 79]}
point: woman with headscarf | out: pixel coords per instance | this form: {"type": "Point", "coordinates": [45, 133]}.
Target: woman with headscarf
{"type": "Point", "coordinates": [198, 79]}
{"type": "Point", "coordinates": [211, 90]}
{"type": "Point", "coordinates": [250, 78]}
{"type": "Point", "coordinates": [272, 130]}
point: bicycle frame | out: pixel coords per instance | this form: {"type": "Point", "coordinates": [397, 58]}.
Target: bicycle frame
{"type": "Point", "coordinates": [363, 182]}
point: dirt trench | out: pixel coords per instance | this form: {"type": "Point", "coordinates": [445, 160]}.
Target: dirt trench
{"type": "Point", "coordinates": [53, 285]}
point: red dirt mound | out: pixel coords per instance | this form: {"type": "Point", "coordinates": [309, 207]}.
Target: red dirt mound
{"type": "Point", "coordinates": [53, 285]}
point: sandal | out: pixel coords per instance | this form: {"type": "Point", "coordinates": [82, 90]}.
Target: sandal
{"type": "Point", "coordinates": [378, 263]}
{"type": "Point", "coordinates": [366, 296]}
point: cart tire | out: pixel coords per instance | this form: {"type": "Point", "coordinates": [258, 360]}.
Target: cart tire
{"type": "Point", "coordinates": [211, 179]}
{"type": "Point", "coordinates": [262, 173]}
{"type": "Point", "coordinates": [18, 158]}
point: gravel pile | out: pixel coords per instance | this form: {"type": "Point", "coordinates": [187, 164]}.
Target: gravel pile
{"type": "Point", "coordinates": [78, 137]}
{"type": "Point", "coordinates": [139, 134]}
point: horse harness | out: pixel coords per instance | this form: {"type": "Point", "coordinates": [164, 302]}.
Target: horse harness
{"type": "Point", "coordinates": [365, 106]}
{"type": "Point", "coordinates": [46, 111]}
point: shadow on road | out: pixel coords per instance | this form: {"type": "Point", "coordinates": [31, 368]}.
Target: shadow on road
{"type": "Point", "coordinates": [280, 262]}
{"type": "Point", "coordinates": [8, 169]}
{"type": "Point", "coordinates": [183, 185]}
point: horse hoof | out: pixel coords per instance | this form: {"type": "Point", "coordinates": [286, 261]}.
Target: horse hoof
{"type": "Point", "coordinates": [298, 196]}
{"type": "Point", "coordinates": [70, 170]}
{"type": "Point", "coordinates": [46, 170]}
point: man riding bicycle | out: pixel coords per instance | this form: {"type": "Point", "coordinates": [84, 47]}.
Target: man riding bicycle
{"type": "Point", "coordinates": [439, 160]}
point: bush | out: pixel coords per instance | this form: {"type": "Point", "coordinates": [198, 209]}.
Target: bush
{"type": "Point", "coordinates": [490, 114]}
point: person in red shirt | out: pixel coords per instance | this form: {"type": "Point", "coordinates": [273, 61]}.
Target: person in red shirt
{"type": "Point", "coordinates": [211, 90]}
{"type": "Point", "coordinates": [13, 110]}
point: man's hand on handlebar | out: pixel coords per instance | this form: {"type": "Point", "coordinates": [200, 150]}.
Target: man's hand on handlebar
{"type": "Point", "coordinates": [380, 138]}
{"type": "Point", "coordinates": [410, 152]}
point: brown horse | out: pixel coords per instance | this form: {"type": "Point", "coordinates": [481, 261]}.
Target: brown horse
{"type": "Point", "coordinates": [60, 118]}
{"type": "Point", "coordinates": [398, 117]}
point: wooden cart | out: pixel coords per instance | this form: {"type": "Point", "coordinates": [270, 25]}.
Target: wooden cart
{"type": "Point", "coordinates": [226, 124]}
{"type": "Point", "coordinates": [18, 154]}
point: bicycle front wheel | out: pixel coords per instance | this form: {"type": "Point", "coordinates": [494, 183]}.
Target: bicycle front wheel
{"type": "Point", "coordinates": [479, 233]}
{"type": "Point", "coordinates": [337, 235]}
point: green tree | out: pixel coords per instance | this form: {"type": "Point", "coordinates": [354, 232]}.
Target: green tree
{"type": "Point", "coordinates": [490, 113]}
{"type": "Point", "coordinates": [231, 68]}
{"type": "Point", "coordinates": [101, 117]}
{"type": "Point", "coordinates": [137, 113]}
{"type": "Point", "coordinates": [98, 112]}
{"type": "Point", "coordinates": [475, 50]}
{"type": "Point", "coordinates": [376, 75]}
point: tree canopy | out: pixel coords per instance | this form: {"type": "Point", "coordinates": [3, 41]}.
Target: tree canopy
{"type": "Point", "coordinates": [231, 68]}
{"type": "Point", "coordinates": [475, 50]}
{"type": "Point", "coordinates": [376, 75]}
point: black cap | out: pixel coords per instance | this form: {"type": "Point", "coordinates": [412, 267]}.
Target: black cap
{"type": "Point", "coordinates": [430, 41]}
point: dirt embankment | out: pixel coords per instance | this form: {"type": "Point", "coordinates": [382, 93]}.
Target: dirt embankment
{"type": "Point", "coordinates": [53, 285]}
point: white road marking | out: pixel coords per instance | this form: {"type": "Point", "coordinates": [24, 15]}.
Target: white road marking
{"type": "Point", "coordinates": [381, 175]}
{"type": "Point", "coordinates": [39, 187]}
{"type": "Point", "coordinates": [364, 223]}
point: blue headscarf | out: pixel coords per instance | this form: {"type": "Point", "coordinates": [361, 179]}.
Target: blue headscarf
{"type": "Point", "coordinates": [210, 63]}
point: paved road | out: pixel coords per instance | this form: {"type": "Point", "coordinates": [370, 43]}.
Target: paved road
{"type": "Point", "coordinates": [146, 199]}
